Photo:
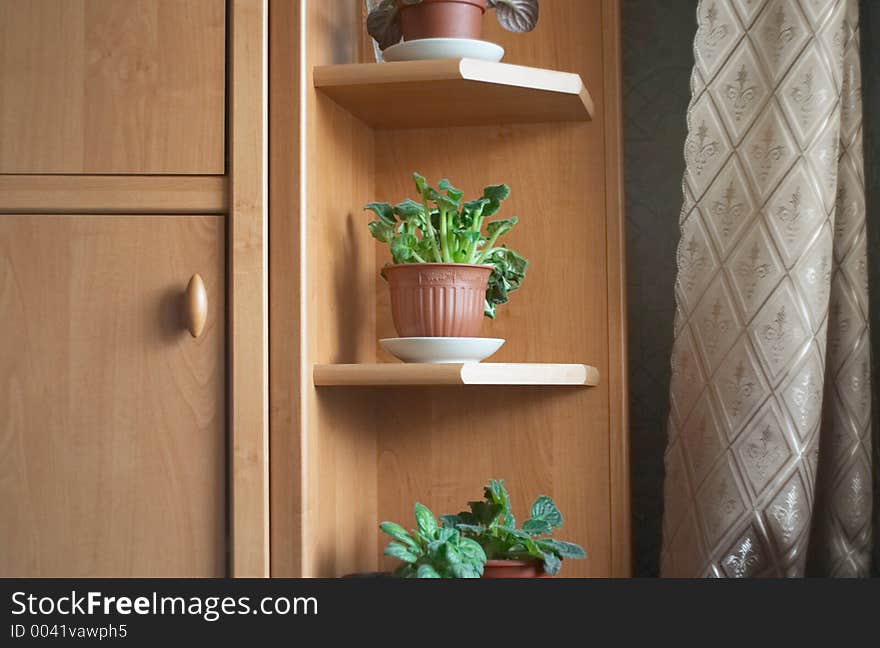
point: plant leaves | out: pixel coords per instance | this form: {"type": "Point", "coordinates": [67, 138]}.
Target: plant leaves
{"type": "Point", "coordinates": [405, 570]}
{"type": "Point", "coordinates": [398, 533]}
{"type": "Point", "coordinates": [496, 492]}
{"type": "Point", "coordinates": [402, 247]}
{"type": "Point", "coordinates": [537, 527]}
{"type": "Point", "coordinates": [516, 15]}
{"type": "Point", "coordinates": [552, 563]}
{"type": "Point", "coordinates": [544, 509]}
{"type": "Point", "coordinates": [470, 528]}
{"type": "Point", "coordinates": [381, 231]}
{"type": "Point", "coordinates": [427, 571]}
{"type": "Point", "coordinates": [485, 513]}
{"type": "Point", "coordinates": [383, 24]}
{"type": "Point", "coordinates": [384, 211]}
{"type": "Point", "coordinates": [425, 520]}
{"type": "Point", "coordinates": [449, 521]}
{"type": "Point", "coordinates": [562, 549]}
{"type": "Point", "coordinates": [409, 209]}
{"type": "Point", "coordinates": [497, 193]}
{"type": "Point", "coordinates": [452, 192]}
{"type": "Point", "coordinates": [397, 550]}
{"type": "Point", "coordinates": [501, 227]}
{"type": "Point", "coordinates": [421, 183]}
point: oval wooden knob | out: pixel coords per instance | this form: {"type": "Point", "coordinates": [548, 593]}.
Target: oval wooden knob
{"type": "Point", "coordinates": [196, 305]}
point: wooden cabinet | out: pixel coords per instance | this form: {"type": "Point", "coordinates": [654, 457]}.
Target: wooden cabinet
{"type": "Point", "coordinates": [112, 87]}
{"type": "Point", "coordinates": [113, 427]}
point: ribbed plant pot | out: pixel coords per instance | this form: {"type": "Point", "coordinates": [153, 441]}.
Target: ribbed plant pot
{"type": "Point", "coordinates": [442, 19]}
{"type": "Point", "coordinates": [514, 569]}
{"type": "Point", "coordinates": [437, 299]}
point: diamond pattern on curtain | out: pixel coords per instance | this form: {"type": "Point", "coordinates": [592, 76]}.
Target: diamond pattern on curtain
{"type": "Point", "coordinates": [768, 462]}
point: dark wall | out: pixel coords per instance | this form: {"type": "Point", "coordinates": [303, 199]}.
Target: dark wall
{"type": "Point", "coordinates": [658, 40]}
{"type": "Point", "coordinates": [870, 18]}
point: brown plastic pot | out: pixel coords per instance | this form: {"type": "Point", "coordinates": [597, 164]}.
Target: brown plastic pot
{"type": "Point", "coordinates": [437, 299]}
{"type": "Point", "coordinates": [514, 569]}
{"type": "Point", "coordinates": [442, 19]}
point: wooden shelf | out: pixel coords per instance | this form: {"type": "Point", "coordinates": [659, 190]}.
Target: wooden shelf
{"type": "Point", "coordinates": [484, 373]}
{"type": "Point", "coordinates": [454, 92]}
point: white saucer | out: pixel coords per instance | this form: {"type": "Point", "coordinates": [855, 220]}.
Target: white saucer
{"type": "Point", "coordinates": [441, 350]}
{"type": "Point", "coordinates": [443, 48]}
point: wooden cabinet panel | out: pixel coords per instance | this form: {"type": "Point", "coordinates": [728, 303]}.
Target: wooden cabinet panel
{"type": "Point", "coordinates": [112, 417]}
{"type": "Point", "coordinates": [112, 86]}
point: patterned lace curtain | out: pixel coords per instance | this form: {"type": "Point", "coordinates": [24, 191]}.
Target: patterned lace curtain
{"type": "Point", "coordinates": [768, 463]}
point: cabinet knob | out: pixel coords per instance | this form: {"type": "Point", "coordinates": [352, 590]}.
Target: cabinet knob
{"type": "Point", "coordinates": [196, 305]}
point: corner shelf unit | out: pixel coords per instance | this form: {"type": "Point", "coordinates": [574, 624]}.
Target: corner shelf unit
{"type": "Point", "coordinates": [484, 373]}
{"type": "Point", "coordinates": [453, 92]}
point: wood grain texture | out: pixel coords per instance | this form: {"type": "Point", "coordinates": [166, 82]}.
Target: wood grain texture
{"type": "Point", "coordinates": [454, 92]}
{"type": "Point", "coordinates": [366, 455]}
{"type": "Point", "coordinates": [112, 194]}
{"type": "Point", "coordinates": [248, 320]}
{"type": "Point", "coordinates": [541, 440]}
{"type": "Point", "coordinates": [284, 288]}
{"type": "Point", "coordinates": [387, 374]}
{"type": "Point", "coordinates": [338, 319]}
{"type": "Point", "coordinates": [109, 86]}
{"type": "Point", "coordinates": [621, 533]}
{"type": "Point", "coordinates": [112, 441]}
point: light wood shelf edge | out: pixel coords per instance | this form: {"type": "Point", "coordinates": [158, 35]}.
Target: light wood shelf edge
{"type": "Point", "coordinates": [511, 93]}
{"type": "Point", "coordinates": [485, 373]}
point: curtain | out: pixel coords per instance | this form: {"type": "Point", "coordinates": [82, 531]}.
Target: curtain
{"type": "Point", "coordinates": [768, 459]}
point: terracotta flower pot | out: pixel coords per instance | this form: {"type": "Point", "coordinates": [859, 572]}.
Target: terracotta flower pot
{"type": "Point", "coordinates": [514, 569]}
{"type": "Point", "coordinates": [442, 19]}
{"type": "Point", "coordinates": [437, 299]}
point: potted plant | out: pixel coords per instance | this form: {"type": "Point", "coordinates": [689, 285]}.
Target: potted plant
{"type": "Point", "coordinates": [484, 541]}
{"type": "Point", "coordinates": [448, 269]}
{"type": "Point", "coordinates": [392, 20]}
{"type": "Point", "coordinates": [432, 551]}
{"type": "Point", "coordinates": [525, 552]}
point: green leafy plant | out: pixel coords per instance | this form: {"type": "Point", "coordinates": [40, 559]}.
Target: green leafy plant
{"type": "Point", "coordinates": [441, 228]}
{"type": "Point", "coordinates": [433, 551]}
{"type": "Point", "coordinates": [383, 21]}
{"type": "Point", "coordinates": [491, 523]}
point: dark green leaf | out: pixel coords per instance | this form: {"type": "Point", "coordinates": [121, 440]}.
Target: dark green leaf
{"type": "Point", "coordinates": [402, 247]}
{"type": "Point", "coordinates": [381, 231]}
{"type": "Point", "coordinates": [452, 192]}
{"type": "Point", "coordinates": [405, 570]}
{"type": "Point", "coordinates": [397, 550]}
{"type": "Point", "coordinates": [421, 183]}
{"type": "Point", "coordinates": [425, 520]}
{"type": "Point", "coordinates": [552, 564]}
{"type": "Point", "coordinates": [409, 209]}
{"type": "Point", "coordinates": [384, 211]}
{"type": "Point", "coordinates": [537, 527]}
{"type": "Point", "coordinates": [496, 192]}
{"type": "Point", "coordinates": [426, 571]}
{"type": "Point", "coordinates": [472, 550]}
{"type": "Point", "coordinates": [485, 513]}
{"type": "Point", "coordinates": [501, 227]}
{"type": "Point", "coordinates": [449, 521]}
{"type": "Point", "coordinates": [398, 533]}
{"type": "Point", "coordinates": [544, 509]}
{"type": "Point", "coordinates": [562, 549]}
{"type": "Point", "coordinates": [470, 528]}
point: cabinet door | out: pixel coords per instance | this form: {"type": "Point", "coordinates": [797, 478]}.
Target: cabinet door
{"type": "Point", "coordinates": [112, 416]}
{"type": "Point", "coordinates": [112, 86]}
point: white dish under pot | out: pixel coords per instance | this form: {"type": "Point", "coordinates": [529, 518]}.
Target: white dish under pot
{"type": "Point", "coordinates": [443, 48]}
{"type": "Point", "coordinates": [441, 350]}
